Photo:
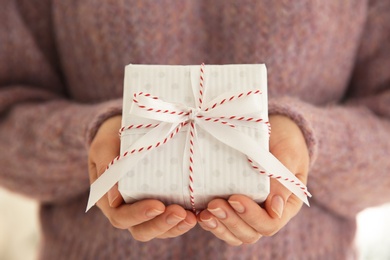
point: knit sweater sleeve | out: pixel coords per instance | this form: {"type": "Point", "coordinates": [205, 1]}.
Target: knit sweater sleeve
{"type": "Point", "coordinates": [349, 142]}
{"type": "Point", "coordinates": [44, 132]}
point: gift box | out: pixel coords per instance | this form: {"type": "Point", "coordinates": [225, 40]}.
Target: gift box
{"type": "Point", "coordinates": [219, 170]}
{"type": "Point", "coordinates": [194, 133]}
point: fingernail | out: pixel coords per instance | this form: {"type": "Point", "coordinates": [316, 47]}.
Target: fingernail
{"type": "Point", "coordinates": [211, 223]}
{"type": "Point", "coordinates": [173, 219]}
{"type": "Point", "coordinates": [184, 225]}
{"type": "Point", "coordinates": [218, 212]}
{"type": "Point", "coordinates": [111, 201]}
{"type": "Point", "coordinates": [237, 206]}
{"type": "Point", "coordinates": [277, 205]}
{"type": "Point", "coordinates": [153, 213]}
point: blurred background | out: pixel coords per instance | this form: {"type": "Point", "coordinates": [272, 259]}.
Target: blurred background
{"type": "Point", "coordinates": [19, 230]}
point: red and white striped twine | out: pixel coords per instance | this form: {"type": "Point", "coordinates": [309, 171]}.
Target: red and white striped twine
{"type": "Point", "coordinates": [247, 119]}
{"type": "Point", "coordinates": [240, 95]}
{"type": "Point", "coordinates": [269, 127]}
{"type": "Point", "coordinates": [215, 120]}
{"type": "Point", "coordinates": [201, 85]}
{"type": "Point", "coordinates": [151, 109]}
{"type": "Point", "coordinates": [243, 118]}
{"type": "Point", "coordinates": [192, 132]}
{"type": "Point", "coordinates": [148, 147]}
{"type": "Point", "coordinates": [301, 186]}
{"type": "Point", "coordinates": [191, 166]}
{"type": "Point", "coordinates": [126, 128]}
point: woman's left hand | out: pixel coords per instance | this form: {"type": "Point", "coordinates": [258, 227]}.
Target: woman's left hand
{"type": "Point", "coordinates": [240, 220]}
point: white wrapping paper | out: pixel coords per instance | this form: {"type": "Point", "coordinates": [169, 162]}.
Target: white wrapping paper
{"type": "Point", "coordinates": [189, 134]}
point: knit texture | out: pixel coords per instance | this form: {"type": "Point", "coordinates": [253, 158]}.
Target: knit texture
{"type": "Point", "coordinates": [61, 76]}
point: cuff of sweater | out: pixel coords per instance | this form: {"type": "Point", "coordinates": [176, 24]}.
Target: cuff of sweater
{"type": "Point", "coordinates": [105, 111]}
{"type": "Point", "coordinates": [300, 113]}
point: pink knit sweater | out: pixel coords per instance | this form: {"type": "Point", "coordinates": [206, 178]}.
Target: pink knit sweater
{"type": "Point", "coordinates": [61, 73]}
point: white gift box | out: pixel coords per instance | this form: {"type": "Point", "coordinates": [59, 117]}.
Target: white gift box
{"type": "Point", "coordinates": [194, 133]}
{"type": "Point", "coordinates": [221, 170]}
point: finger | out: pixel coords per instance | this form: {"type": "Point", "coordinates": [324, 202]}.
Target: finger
{"type": "Point", "coordinates": [129, 215]}
{"type": "Point", "coordinates": [103, 151]}
{"type": "Point", "coordinates": [293, 159]}
{"type": "Point", "coordinates": [277, 199]}
{"type": "Point", "coordinates": [259, 218]}
{"type": "Point", "coordinates": [210, 223]}
{"type": "Point", "coordinates": [231, 220]}
{"type": "Point", "coordinates": [255, 216]}
{"type": "Point", "coordinates": [100, 155]}
{"type": "Point", "coordinates": [92, 171]}
{"type": "Point", "coordinates": [114, 197]}
{"type": "Point", "coordinates": [185, 225]}
{"type": "Point", "coordinates": [173, 215]}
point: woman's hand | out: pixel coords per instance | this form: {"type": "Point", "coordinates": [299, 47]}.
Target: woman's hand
{"type": "Point", "coordinates": [239, 219]}
{"type": "Point", "coordinates": [146, 219]}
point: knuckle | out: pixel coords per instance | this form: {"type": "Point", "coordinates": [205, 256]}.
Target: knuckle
{"type": "Point", "coordinates": [115, 222]}
{"type": "Point", "coordinates": [165, 237]}
{"type": "Point", "coordinates": [140, 236]}
{"type": "Point", "coordinates": [235, 243]}
{"type": "Point", "coordinates": [235, 224]}
{"type": "Point", "coordinates": [157, 226]}
{"type": "Point", "coordinates": [270, 233]}
{"type": "Point", "coordinates": [221, 232]}
{"type": "Point", "coordinates": [252, 239]}
{"type": "Point", "coordinates": [148, 233]}
{"type": "Point", "coordinates": [271, 230]}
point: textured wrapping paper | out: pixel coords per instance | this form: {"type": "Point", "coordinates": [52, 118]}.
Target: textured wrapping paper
{"type": "Point", "coordinates": [194, 133]}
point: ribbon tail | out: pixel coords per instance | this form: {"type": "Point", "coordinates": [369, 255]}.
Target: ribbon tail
{"type": "Point", "coordinates": [120, 168]}
{"type": "Point", "coordinates": [272, 165]}
{"type": "Point", "coordinates": [259, 155]}
{"type": "Point", "coordinates": [110, 177]}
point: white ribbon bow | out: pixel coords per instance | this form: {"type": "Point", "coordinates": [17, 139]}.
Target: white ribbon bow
{"type": "Point", "coordinates": [218, 117]}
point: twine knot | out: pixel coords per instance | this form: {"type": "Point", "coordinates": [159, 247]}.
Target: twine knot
{"type": "Point", "coordinates": [193, 113]}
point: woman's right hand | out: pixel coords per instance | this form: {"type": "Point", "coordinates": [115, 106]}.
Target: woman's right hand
{"type": "Point", "coordinates": [146, 219]}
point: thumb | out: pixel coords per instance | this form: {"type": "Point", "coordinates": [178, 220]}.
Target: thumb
{"type": "Point", "coordinates": [104, 148]}
{"type": "Point", "coordinates": [277, 199]}
{"type": "Point", "coordinates": [114, 197]}
{"type": "Point", "coordinates": [287, 143]}
{"type": "Point", "coordinates": [103, 158]}
{"type": "Point", "coordinates": [279, 194]}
